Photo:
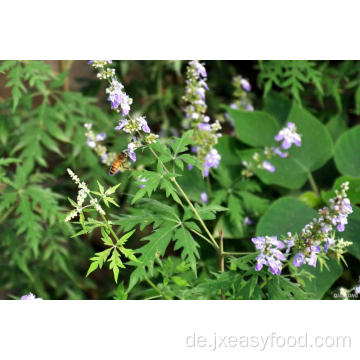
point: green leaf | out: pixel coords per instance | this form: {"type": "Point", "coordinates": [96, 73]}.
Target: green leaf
{"type": "Point", "coordinates": [352, 232]}
{"type": "Point", "coordinates": [180, 281]}
{"type": "Point", "coordinates": [181, 145]}
{"type": "Point", "coordinates": [93, 266]}
{"type": "Point", "coordinates": [336, 126]}
{"type": "Point", "coordinates": [317, 147]}
{"type": "Point", "coordinates": [347, 152]}
{"type": "Point", "coordinates": [157, 243]}
{"type": "Point", "coordinates": [235, 209]}
{"type": "Point", "coordinates": [189, 246]}
{"type": "Point", "coordinates": [101, 188]}
{"type": "Point", "coordinates": [59, 79]}
{"type": "Point", "coordinates": [322, 281]}
{"type": "Point", "coordinates": [285, 215]}
{"type": "Point", "coordinates": [281, 288]}
{"type": "Point", "coordinates": [125, 237]}
{"type": "Point", "coordinates": [254, 128]}
{"type": "Point", "coordinates": [289, 173]}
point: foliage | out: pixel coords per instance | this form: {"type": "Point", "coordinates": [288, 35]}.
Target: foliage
{"type": "Point", "coordinates": [159, 229]}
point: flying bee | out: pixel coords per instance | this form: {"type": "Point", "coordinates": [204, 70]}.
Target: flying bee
{"type": "Point", "coordinates": [118, 163]}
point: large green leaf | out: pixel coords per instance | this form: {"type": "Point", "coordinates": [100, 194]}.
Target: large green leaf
{"type": "Point", "coordinates": [289, 173]}
{"type": "Point", "coordinates": [347, 152]}
{"type": "Point", "coordinates": [286, 214]}
{"type": "Point", "coordinates": [317, 147]}
{"type": "Point", "coordinates": [254, 128]}
{"type": "Point", "coordinates": [352, 232]}
{"type": "Point", "coordinates": [322, 280]}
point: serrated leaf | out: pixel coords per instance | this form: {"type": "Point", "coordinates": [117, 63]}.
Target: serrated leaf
{"type": "Point", "coordinates": [189, 246]}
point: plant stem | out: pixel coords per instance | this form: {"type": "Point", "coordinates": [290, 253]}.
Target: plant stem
{"type": "Point", "coordinates": [157, 289]}
{"type": "Point", "coordinates": [222, 258]}
{"type": "Point", "coordinates": [313, 184]}
{"type": "Point", "coordinates": [202, 236]}
{"type": "Point", "coordinates": [230, 253]}
{"type": "Point", "coordinates": [214, 243]}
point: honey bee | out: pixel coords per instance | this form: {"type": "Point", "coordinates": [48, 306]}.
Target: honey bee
{"type": "Point", "coordinates": [118, 163]}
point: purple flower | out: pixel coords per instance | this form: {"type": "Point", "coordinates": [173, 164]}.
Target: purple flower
{"type": "Point", "coordinates": [204, 197]}
{"type": "Point", "coordinates": [249, 107]}
{"type": "Point", "coordinates": [248, 221]}
{"type": "Point", "coordinates": [100, 137]}
{"type": "Point", "coordinates": [245, 84]}
{"type": "Point", "coordinates": [122, 123]}
{"type": "Point", "coordinates": [204, 127]}
{"type": "Point", "coordinates": [288, 136]}
{"type": "Point", "coordinates": [199, 68]}
{"type": "Point", "coordinates": [309, 257]}
{"type": "Point", "coordinates": [266, 165]}
{"type": "Point", "coordinates": [91, 143]}
{"type": "Point", "coordinates": [329, 242]}
{"type": "Point", "coordinates": [143, 124]}
{"type": "Point", "coordinates": [277, 151]}
{"type": "Point", "coordinates": [190, 167]}
{"type": "Point", "coordinates": [131, 151]}
{"type": "Point", "coordinates": [270, 254]}
{"type": "Point", "coordinates": [289, 242]}
{"type": "Point", "coordinates": [299, 259]}
{"type": "Point", "coordinates": [87, 125]}
{"type": "Point", "coordinates": [30, 296]}
{"type": "Point", "coordinates": [212, 160]}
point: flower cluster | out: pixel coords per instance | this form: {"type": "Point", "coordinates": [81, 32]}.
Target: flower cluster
{"type": "Point", "coordinates": [319, 232]}
{"type": "Point", "coordinates": [103, 72]}
{"type": "Point", "coordinates": [270, 254]}
{"type": "Point", "coordinates": [137, 127]}
{"type": "Point", "coordinates": [94, 142]}
{"type": "Point", "coordinates": [30, 296]}
{"type": "Point", "coordinates": [83, 193]}
{"type": "Point", "coordinates": [286, 136]}
{"type": "Point", "coordinates": [241, 94]}
{"type": "Point", "coordinates": [315, 238]}
{"type": "Point", "coordinates": [205, 133]}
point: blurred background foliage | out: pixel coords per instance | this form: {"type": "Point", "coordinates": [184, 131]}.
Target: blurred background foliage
{"type": "Point", "coordinates": [44, 105]}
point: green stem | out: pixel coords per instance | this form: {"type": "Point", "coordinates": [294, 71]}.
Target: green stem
{"type": "Point", "coordinates": [313, 184]}
{"type": "Point", "coordinates": [202, 236]}
{"type": "Point", "coordinates": [214, 243]}
{"type": "Point", "coordinates": [228, 253]}
{"type": "Point", "coordinates": [157, 289]}
{"type": "Point", "coordinates": [110, 228]}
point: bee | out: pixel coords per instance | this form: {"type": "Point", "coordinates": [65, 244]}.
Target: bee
{"type": "Point", "coordinates": [118, 163]}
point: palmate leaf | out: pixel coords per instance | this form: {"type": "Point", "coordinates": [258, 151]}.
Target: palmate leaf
{"type": "Point", "coordinates": [28, 223]}
{"type": "Point", "coordinates": [236, 210]}
{"type": "Point", "coordinates": [180, 145]}
{"type": "Point", "coordinates": [150, 185]}
{"type": "Point", "coordinates": [189, 246]}
{"type": "Point", "coordinates": [223, 282]}
{"type": "Point", "coordinates": [281, 288]}
{"type": "Point", "coordinates": [158, 241]}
